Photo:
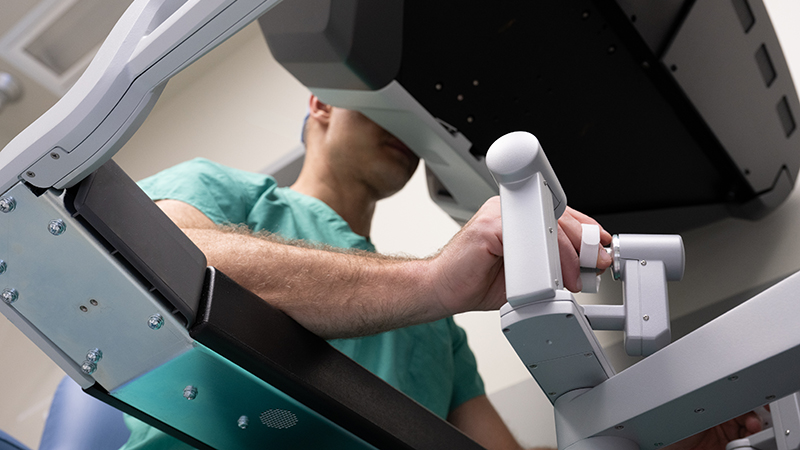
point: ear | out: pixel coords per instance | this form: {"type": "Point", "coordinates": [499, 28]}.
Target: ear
{"type": "Point", "coordinates": [318, 110]}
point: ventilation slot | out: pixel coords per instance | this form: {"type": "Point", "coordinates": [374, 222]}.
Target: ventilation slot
{"type": "Point", "coordinates": [765, 65]}
{"type": "Point", "coordinates": [745, 14]}
{"type": "Point", "coordinates": [785, 114]}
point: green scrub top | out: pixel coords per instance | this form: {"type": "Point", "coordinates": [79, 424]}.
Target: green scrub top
{"type": "Point", "coordinates": [430, 363]}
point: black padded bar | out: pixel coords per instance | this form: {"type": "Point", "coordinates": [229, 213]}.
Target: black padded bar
{"type": "Point", "coordinates": [243, 328]}
{"type": "Point", "coordinates": [111, 203]}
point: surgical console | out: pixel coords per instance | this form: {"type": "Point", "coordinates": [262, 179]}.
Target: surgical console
{"type": "Point", "coordinates": [86, 256]}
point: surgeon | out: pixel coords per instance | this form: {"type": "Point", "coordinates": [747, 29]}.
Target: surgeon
{"type": "Point", "coordinates": [306, 250]}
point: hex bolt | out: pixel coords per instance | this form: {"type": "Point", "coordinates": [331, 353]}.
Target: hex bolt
{"type": "Point", "coordinates": [94, 355]}
{"type": "Point", "coordinates": [88, 367]}
{"type": "Point", "coordinates": [9, 295]}
{"type": "Point", "coordinates": [243, 422]}
{"type": "Point", "coordinates": [3, 267]}
{"type": "Point", "coordinates": [190, 392]}
{"type": "Point", "coordinates": [7, 204]}
{"type": "Point", "coordinates": [57, 227]}
{"type": "Point", "coordinates": [155, 321]}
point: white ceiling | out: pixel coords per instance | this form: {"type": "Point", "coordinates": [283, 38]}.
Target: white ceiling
{"type": "Point", "coordinates": [35, 98]}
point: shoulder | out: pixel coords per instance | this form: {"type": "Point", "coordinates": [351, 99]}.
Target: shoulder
{"type": "Point", "coordinates": [222, 193]}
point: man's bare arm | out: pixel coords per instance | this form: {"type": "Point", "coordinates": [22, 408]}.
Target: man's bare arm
{"type": "Point", "coordinates": [339, 295]}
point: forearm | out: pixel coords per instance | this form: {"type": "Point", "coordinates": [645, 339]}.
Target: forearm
{"type": "Point", "coordinates": [333, 294]}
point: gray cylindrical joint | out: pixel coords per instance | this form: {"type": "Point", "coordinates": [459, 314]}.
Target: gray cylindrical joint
{"type": "Point", "coordinates": [518, 156]}
{"type": "Point", "coordinates": [667, 248]}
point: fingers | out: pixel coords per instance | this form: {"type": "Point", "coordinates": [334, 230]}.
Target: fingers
{"type": "Point", "coordinates": [570, 262]}
{"type": "Point", "coordinates": [570, 223]}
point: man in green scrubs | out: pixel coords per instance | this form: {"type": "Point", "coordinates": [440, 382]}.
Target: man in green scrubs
{"type": "Point", "coordinates": [400, 310]}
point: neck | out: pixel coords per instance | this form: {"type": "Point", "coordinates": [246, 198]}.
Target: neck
{"type": "Point", "coordinates": [350, 200]}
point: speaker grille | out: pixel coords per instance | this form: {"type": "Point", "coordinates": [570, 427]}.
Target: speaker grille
{"type": "Point", "coordinates": [278, 418]}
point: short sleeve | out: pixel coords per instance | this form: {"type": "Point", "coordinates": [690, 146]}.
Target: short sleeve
{"type": "Point", "coordinates": [223, 194]}
{"type": "Point", "coordinates": [467, 383]}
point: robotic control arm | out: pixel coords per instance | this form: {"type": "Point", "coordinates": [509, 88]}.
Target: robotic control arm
{"type": "Point", "coordinates": [152, 42]}
{"type": "Point", "coordinates": [741, 360]}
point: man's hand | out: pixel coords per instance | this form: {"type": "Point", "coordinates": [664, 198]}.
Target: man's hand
{"type": "Point", "coordinates": [468, 272]}
{"type": "Point", "coordinates": [718, 437]}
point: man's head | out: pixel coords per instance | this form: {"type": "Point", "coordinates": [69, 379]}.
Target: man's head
{"type": "Point", "coordinates": [351, 148]}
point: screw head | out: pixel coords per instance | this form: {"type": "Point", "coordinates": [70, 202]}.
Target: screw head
{"type": "Point", "coordinates": [7, 204]}
{"type": "Point", "coordinates": [57, 227]}
{"type": "Point", "coordinates": [699, 410]}
{"type": "Point", "coordinates": [9, 295]}
{"type": "Point", "coordinates": [155, 321]}
{"type": "Point", "coordinates": [94, 355]}
{"type": "Point", "coordinates": [3, 267]}
{"type": "Point", "coordinates": [788, 432]}
{"type": "Point", "coordinates": [771, 397]}
{"type": "Point", "coordinates": [619, 427]}
{"type": "Point", "coordinates": [88, 367]}
{"type": "Point", "coordinates": [55, 155]}
{"type": "Point", "coordinates": [733, 378]}
{"type": "Point", "coordinates": [645, 317]}
{"type": "Point", "coordinates": [190, 392]}
{"type": "Point", "coordinates": [243, 422]}
{"type": "Point", "coordinates": [644, 263]}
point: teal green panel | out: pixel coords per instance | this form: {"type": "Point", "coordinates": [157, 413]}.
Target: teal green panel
{"type": "Point", "coordinates": [226, 392]}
